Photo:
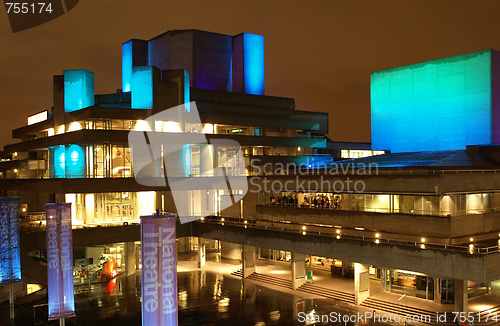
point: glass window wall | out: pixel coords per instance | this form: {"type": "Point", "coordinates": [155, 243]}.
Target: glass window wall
{"type": "Point", "coordinates": [110, 207]}
{"type": "Point", "coordinates": [453, 204]}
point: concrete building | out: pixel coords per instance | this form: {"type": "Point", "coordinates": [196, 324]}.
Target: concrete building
{"type": "Point", "coordinates": [77, 151]}
{"type": "Point", "coordinates": [423, 224]}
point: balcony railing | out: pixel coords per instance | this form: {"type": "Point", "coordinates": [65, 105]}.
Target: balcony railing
{"type": "Point", "coordinates": [35, 220]}
{"type": "Point", "coordinates": [392, 211]}
{"type": "Point", "coordinates": [473, 249]}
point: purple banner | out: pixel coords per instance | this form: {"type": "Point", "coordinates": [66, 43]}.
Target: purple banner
{"type": "Point", "coordinates": [159, 271]}
{"type": "Point", "coordinates": [60, 261]}
{"type": "Point", "coordinates": [10, 255]}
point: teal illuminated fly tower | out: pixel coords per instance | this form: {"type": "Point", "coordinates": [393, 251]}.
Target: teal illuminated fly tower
{"type": "Point", "coordinates": [442, 104]}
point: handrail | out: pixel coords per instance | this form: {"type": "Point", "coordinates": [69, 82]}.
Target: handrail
{"type": "Point", "coordinates": [283, 228]}
{"type": "Point", "coordinates": [251, 222]}
{"type": "Point", "coordinates": [393, 211]}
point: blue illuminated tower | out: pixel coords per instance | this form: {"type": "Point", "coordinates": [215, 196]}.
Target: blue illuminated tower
{"type": "Point", "coordinates": [443, 104]}
{"type": "Point", "coordinates": [214, 61]}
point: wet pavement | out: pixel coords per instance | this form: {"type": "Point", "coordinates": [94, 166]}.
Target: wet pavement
{"type": "Point", "coordinates": [205, 298]}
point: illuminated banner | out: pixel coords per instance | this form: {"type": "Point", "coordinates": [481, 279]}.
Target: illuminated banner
{"type": "Point", "coordinates": [10, 255]}
{"type": "Point", "coordinates": [60, 261]}
{"type": "Point", "coordinates": [159, 271]}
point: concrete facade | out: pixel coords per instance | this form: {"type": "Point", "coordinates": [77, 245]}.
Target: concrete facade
{"type": "Point", "coordinates": [298, 270]}
{"type": "Point", "coordinates": [248, 260]}
{"type": "Point", "coordinates": [442, 264]}
{"type": "Point", "coordinates": [361, 283]}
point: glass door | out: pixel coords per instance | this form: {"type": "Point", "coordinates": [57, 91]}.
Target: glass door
{"type": "Point", "coordinates": [447, 291]}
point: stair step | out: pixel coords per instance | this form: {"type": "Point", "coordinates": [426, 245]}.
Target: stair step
{"type": "Point", "coordinates": [316, 287]}
{"type": "Point", "coordinates": [327, 293]}
{"type": "Point", "coordinates": [394, 306]}
{"type": "Point", "coordinates": [238, 273]}
{"type": "Point", "coordinates": [371, 303]}
{"type": "Point", "coordinates": [270, 280]}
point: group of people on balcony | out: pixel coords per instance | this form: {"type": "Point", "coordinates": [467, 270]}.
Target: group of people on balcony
{"type": "Point", "coordinates": [322, 201]}
{"type": "Point", "coordinates": [283, 200]}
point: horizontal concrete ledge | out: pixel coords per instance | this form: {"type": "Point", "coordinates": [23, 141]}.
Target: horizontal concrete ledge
{"type": "Point", "coordinates": [398, 223]}
{"type": "Point", "coordinates": [94, 236]}
{"type": "Point", "coordinates": [442, 264]}
{"type": "Point", "coordinates": [378, 181]}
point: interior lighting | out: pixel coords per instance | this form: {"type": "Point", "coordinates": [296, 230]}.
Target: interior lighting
{"type": "Point", "coordinates": [75, 126]}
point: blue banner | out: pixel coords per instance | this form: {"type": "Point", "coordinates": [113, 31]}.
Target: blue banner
{"type": "Point", "coordinates": [60, 261]}
{"type": "Point", "coordinates": [10, 254]}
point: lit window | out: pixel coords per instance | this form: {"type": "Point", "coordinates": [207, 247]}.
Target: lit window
{"type": "Point", "coordinates": [142, 125]}
{"type": "Point", "coordinates": [39, 117]}
{"type": "Point", "coordinates": [74, 126]}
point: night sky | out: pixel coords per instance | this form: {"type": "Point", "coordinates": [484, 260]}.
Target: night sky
{"type": "Point", "coordinates": [319, 52]}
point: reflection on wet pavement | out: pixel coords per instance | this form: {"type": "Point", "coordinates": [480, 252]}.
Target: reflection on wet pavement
{"type": "Point", "coordinates": [205, 298]}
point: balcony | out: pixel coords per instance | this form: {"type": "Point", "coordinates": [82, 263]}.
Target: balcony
{"type": "Point", "coordinates": [457, 229]}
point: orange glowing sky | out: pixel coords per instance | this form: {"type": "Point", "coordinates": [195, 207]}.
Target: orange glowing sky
{"type": "Point", "coordinates": [320, 52]}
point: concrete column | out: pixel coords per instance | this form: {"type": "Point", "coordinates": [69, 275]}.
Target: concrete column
{"type": "Point", "coordinates": [345, 264]}
{"type": "Point", "coordinates": [158, 201]}
{"type": "Point", "coordinates": [361, 283]}
{"type": "Point", "coordinates": [383, 279]}
{"type": "Point", "coordinates": [298, 270]}
{"type": "Point", "coordinates": [207, 160]}
{"type": "Point", "coordinates": [202, 252]}
{"type": "Point", "coordinates": [390, 276]}
{"type": "Point", "coordinates": [230, 250]}
{"type": "Point", "coordinates": [129, 258]}
{"type": "Point", "coordinates": [248, 260]}
{"type": "Point", "coordinates": [183, 245]}
{"type": "Point", "coordinates": [461, 295]}
{"type": "Point", "coordinates": [437, 291]}
{"type": "Point", "coordinates": [169, 205]}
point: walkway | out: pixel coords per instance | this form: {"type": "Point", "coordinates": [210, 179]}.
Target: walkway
{"type": "Point", "coordinates": [341, 289]}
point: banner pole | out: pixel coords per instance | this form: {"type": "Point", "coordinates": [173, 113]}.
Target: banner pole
{"type": "Point", "coordinates": [11, 300]}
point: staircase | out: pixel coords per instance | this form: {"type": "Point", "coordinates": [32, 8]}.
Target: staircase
{"type": "Point", "coordinates": [272, 280]}
{"type": "Point", "coordinates": [328, 293]}
{"type": "Point", "coordinates": [394, 309]}
{"type": "Point", "coordinates": [375, 304]}
{"type": "Point", "coordinates": [238, 273]}
{"type": "Point", "coordinates": [493, 315]}
{"type": "Point", "coordinates": [265, 279]}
